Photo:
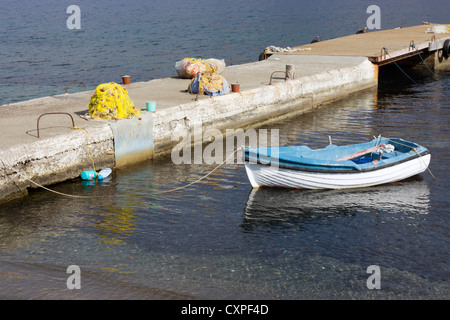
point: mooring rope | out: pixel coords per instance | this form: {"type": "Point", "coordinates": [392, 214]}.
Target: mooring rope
{"type": "Point", "coordinates": [414, 46]}
{"type": "Point", "coordinates": [386, 51]}
{"type": "Point", "coordinates": [79, 196]}
{"type": "Point", "coordinates": [187, 185]}
{"type": "Point", "coordinates": [111, 153]}
{"type": "Point", "coordinates": [41, 186]}
{"type": "Point", "coordinates": [209, 173]}
{"type": "Point", "coordinates": [415, 150]}
{"type": "Point", "coordinates": [86, 132]}
{"type": "Point", "coordinates": [105, 151]}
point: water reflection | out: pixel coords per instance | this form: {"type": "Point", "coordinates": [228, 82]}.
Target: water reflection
{"type": "Point", "coordinates": [346, 121]}
{"type": "Point", "coordinates": [286, 207]}
{"type": "Point", "coordinates": [89, 183]}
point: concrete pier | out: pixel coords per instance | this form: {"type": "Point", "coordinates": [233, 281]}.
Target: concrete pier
{"type": "Point", "coordinates": [400, 44]}
{"type": "Point", "coordinates": [62, 152]}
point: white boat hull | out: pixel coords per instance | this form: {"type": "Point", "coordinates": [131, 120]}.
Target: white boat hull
{"type": "Point", "coordinates": [272, 176]}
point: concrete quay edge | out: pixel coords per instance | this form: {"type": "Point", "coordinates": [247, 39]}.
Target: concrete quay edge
{"type": "Point", "coordinates": [266, 103]}
{"type": "Point", "coordinates": [64, 155]}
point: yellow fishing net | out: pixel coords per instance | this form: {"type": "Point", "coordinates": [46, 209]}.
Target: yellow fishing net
{"type": "Point", "coordinates": [111, 102]}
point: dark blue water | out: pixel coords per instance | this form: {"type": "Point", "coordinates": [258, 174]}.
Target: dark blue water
{"type": "Point", "coordinates": [40, 55]}
{"type": "Point", "coordinates": [219, 239]}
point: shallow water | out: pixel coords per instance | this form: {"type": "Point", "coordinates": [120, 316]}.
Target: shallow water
{"type": "Point", "coordinates": [219, 239]}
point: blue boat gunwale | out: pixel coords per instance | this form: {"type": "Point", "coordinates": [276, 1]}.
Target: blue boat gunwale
{"type": "Point", "coordinates": [404, 151]}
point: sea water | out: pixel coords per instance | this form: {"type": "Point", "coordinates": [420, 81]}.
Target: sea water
{"type": "Point", "coordinates": [218, 238]}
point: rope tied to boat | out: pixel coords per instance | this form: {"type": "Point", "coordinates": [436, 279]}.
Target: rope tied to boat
{"type": "Point", "coordinates": [80, 196]}
{"type": "Point", "coordinates": [416, 151]}
{"type": "Point", "coordinates": [209, 173]}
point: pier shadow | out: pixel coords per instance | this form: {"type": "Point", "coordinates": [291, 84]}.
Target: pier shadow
{"type": "Point", "coordinates": [45, 131]}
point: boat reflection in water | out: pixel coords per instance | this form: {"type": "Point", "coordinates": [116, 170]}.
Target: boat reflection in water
{"type": "Point", "coordinates": [278, 206]}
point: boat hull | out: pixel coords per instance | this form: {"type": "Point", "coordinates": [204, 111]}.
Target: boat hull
{"type": "Point", "coordinates": [273, 176]}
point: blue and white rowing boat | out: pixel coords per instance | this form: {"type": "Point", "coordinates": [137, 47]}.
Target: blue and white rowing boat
{"type": "Point", "coordinates": [379, 161]}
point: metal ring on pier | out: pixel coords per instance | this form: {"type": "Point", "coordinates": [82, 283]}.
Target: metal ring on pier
{"type": "Point", "coordinates": [73, 123]}
{"type": "Point", "coordinates": [270, 82]}
{"type": "Point", "coordinates": [76, 82]}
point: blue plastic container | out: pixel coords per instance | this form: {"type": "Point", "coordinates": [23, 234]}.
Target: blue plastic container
{"type": "Point", "coordinates": [88, 175]}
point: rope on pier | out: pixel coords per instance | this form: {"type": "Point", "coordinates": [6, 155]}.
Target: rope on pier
{"type": "Point", "coordinates": [386, 51]}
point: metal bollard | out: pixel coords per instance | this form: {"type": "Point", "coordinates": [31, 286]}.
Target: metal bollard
{"type": "Point", "coordinates": [290, 71]}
